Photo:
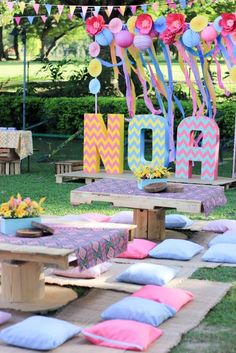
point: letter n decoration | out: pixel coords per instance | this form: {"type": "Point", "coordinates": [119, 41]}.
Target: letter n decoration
{"type": "Point", "coordinates": [107, 143]}
{"type": "Point", "coordinates": [160, 141]}
{"type": "Point", "coordinates": [187, 152]}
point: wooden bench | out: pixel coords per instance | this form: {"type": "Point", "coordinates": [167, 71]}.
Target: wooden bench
{"type": "Point", "coordinates": [68, 166]}
{"type": "Point", "coordinates": [10, 167]}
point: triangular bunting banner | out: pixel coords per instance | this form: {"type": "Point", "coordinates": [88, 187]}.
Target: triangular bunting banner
{"type": "Point", "coordinates": [44, 18]}
{"type": "Point", "coordinates": [70, 17]}
{"type": "Point", "coordinates": [57, 17]}
{"type": "Point", "coordinates": [36, 8]}
{"type": "Point", "coordinates": [17, 19]}
{"type": "Point", "coordinates": [60, 9]}
{"type": "Point", "coordinates": [133, 9]}
{"type": "Point", "coordinates": [144, 8]}
{"type": "Point", "coordinates": [183, 3]}
{"type": "Point", "coordinates": [72, 10]}
{"type": "Point", "coordinates": [48, 8]}
{"type": "Point", "coordinates": [97, 9]}
{"type": "Point", "coordinates": [84, 11]}
{"type": "Point", "coordinates": [21, 6]}
{"type": "Point", "coordinates": [30, 19]}
{"type": "Point", "coordinates": [10, 5]}
{"type": "Point", "coordinates": [155, 6]}
{"type": "Point", "coordinates": [122, 10]}
{"type": "Point", "coordinates": [109, 10]}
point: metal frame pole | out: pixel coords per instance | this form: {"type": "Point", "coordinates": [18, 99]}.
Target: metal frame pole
{"type": "Point", "coordinates": [234, 155]}
{"type": "Point", "coordinates": [24, 80]}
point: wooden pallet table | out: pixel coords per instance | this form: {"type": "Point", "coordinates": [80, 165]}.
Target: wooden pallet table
{"type": "Point", "coordinates": [149, 209]}
{"type": "Point", "coordinates": [68, 166]}
{"type": "Point", "coordinates": [10, 167]}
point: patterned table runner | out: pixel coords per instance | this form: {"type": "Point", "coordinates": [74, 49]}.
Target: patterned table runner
{"type": "Point", "coordinates": [21, 141]}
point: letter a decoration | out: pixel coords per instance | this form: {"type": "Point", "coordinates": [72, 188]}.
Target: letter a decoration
{"type": "Point", "coordinates": [187, 152]}
{"type": "Point", "coordinates": [107, 143]}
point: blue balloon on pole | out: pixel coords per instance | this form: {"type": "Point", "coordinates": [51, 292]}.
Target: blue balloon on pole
{"type": "Point", "coordinates": [104, 38]}
{"type": "Point", "coordinates": [191, 38]}
{"type": "Point", "coordinates": [94, 86]}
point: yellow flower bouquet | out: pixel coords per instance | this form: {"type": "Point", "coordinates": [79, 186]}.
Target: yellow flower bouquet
{"type": "Point", "coordinates": [150, 172]}
{"type": "Point", "coordinates": [17, 207]}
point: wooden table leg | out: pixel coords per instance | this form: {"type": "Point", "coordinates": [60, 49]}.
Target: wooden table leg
{"type": "Point", "coordinates": [150, 224]}
{"type": "Point", "coordinates": [22, 281]}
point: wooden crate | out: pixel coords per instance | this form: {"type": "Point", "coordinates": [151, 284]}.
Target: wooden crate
{"type": "Point", "coordinates": [68, 166]}
{"type": "Point", "coordinates": [10, 167]}
{"type": "Point", "coordinates": [8, 154]}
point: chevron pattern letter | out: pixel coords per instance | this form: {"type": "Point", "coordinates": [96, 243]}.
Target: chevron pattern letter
{"type": "Point", "coordinates": [136, 142]}
{"type": "Point", "coordinates": [107, 143]}
{"type": "Point", "coordinates": [208, 154]}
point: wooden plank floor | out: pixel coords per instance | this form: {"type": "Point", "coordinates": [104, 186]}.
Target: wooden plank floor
{"type": "Point", "coordinates": [89, 178]}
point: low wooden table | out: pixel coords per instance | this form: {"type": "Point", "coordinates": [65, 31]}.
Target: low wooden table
{"type": "Point", "coordinates": [23, 259]}
{"type": "Point", "coordinates": [149, 209]}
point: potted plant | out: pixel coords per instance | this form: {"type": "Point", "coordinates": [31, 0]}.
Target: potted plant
{"type": "Point", "coordinates": [148, 175]}
{"type": "Point", "coordinates": [18, 213]}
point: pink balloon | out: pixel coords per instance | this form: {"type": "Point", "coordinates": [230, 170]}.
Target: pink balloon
{"type": "Point", "coordinates": [94, 49]}
{"type": "Point", "coordinates": [209, 34]}
{"type": "Point", "coordinates": [124, 39]}
{"type": "Point", "coordinates": [115, 25]}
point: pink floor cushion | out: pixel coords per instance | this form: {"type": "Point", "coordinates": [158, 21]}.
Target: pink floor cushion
{"type": "Point", "coordinates": [220, 226]}
{"type": "Point", "coordinates": [93, 217]}
{"type": "Point", "coordinates": [4, 317]}
{"type": "Point", "coordinates": [138, 249]}
{"type": "Point", "coordinates": [122, 334]}
{"type": "Point", "coordinates": [174, 297]}
{"type": "Point", "coordinates": [92, 272]}
{"type": "Point", "coordinates": [125, 217]}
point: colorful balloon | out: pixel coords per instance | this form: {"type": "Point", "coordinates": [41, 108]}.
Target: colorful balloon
{"type": "Point", "coordinates": [131, 24]}
{"type": "Point", "coordinates": [198, 23]}
{"type": "Point", "coordinates": [124, 39]}
{"type": "Point", "coordinates": [94, 68]}
{"type": "Point", "coordinates": [209, 34]}
{"type": "Point", "coordinates": [190, 38]}
{"type": "Point", "coordinates": [104, 38]}
{"type": "Point", "coordinates": [94, 86]}
{"type": "Point", "coordinates": [142, 41]}
{"type": "Point", "coordinates": [94, 49]}
{"type": "Point", "coordinates": [115, 25]}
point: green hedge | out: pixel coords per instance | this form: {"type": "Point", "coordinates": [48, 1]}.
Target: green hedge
{"type": "Point", "coordinates": [65, 115]}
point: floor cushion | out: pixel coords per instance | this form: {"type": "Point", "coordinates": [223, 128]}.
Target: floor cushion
{"type": "Point", "coordinates": [220, 226]}
{"type": "Point", "coordinates": [225, 253]}
{"type": "Point", "coordinates": [122, 334]}
{"type": "Point", "coordinates": [92, 272]}
{"type": "Point", "coordinates": [174, 297]}
{"type": "Point", "coordinates": [125, 217]}
{"type": "Point", "coordinates": [173, 221]}
{"type": "Point", "coordinates": [176, 249]}
{"type": "Point", "coordinates": [138, 249]}
{"type": "Point", "coordinates": [229, 237]}
{"type": "Point", "coordinates": [94, 217]}
{"type": "Point", "coordinates": [39, 332]}
{"type": "Point", "coordinates": [145, 273]}
{"type": "Point", "coordinates": [4, 317]}
{"type": "Point", "coordinates": [139, 309]}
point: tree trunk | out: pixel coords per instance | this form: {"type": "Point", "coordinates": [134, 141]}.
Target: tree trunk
{"type": "Point", "coordinates": [2, 54]}
{"type": "Point", "coordinates": [16, 46]}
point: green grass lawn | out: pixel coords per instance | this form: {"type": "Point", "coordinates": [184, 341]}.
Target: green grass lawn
{"type": "Point", "coordinates": [216, 333]}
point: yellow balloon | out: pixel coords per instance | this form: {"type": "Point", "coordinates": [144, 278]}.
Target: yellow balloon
{"type": "Point", "coordinates": [198, 23]}
{"type": "Point", "coordinates": [131, 24]}
{"type": "Point", "coordinates": [232, 74]}
{"type": "Point", "coordinates": [94, 68]}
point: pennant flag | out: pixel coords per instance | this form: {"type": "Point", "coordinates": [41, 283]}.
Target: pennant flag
{"type": "Point", "coordinates": [109, 10]}
{"type": "Point", "coordinates": [70, 17]}
{"type": "Point", "coordinates": [155, 6]}
{"type": "Point", "coordinates": [60, 9]}
{"type": "Point", "coordinates": [30, 19]}
{"type": "Point", "coordinates": [84, 12]}
{"type": "Point", "coordinates": [183, 3]}
{"type": "Point", "coordinates": [97, 9]}
{"type": "Point", "coordinates": [36, 8]}
{"type": "Point", "coordinates": [48, 8]}
{"type": "Point", "coordinates": [17, 19]}
{"type": "Point", "coordinates": [44, 18]}
{"type": "Point", "coordinates": [144, 8]}
{"type": "Point", "coordinates": [72, 10]}
{"type": "Point", "coordinates": [10, 5]}
{"type": "Point", "coordinates": [133, 9]}
{"type": "Point", "coordinates": [122, 9]}
{"type": "Point", "coordinates": [22, 6]}
{"type": "Point", "coordinates": [57, 17]}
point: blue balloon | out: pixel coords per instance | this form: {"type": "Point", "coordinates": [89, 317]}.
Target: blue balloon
{"type": "Point", "coordinates": [191, 38]}
{"type": "Point", "coordinates": [94, 86]}
{"type": "Point", "coordinates": [104, 38]}
{"type": "Point", "coordinates": [160, 24]}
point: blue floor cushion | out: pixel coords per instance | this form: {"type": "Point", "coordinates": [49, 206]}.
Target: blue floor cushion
{"type": "Point", "coordinates": [224, 253]}
{"type": "Point", "coordinates": [228, 237]}
{"type": "Point", "coordinates": [173, 221]}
